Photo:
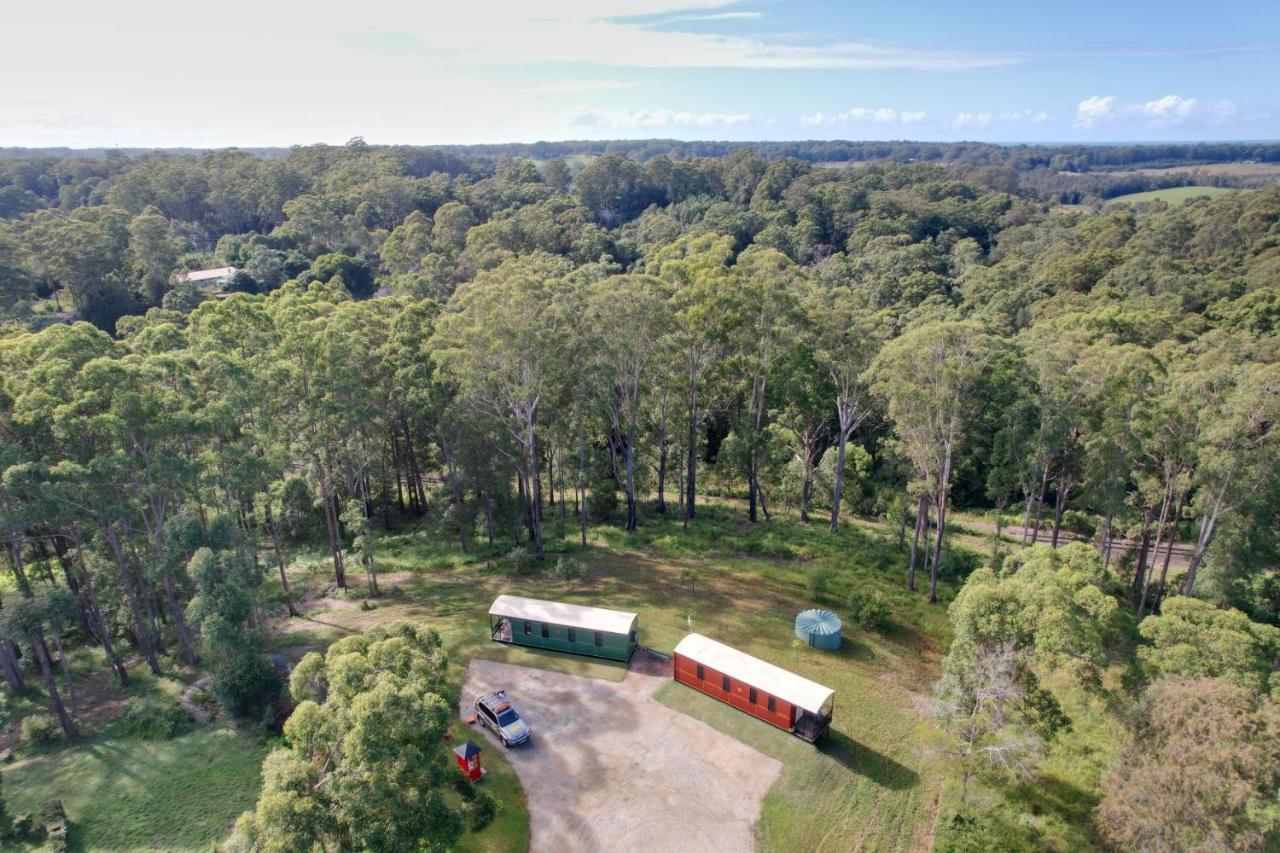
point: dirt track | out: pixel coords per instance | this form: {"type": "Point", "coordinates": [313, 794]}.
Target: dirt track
{"type": "Point", "coordinates": [610, 768]}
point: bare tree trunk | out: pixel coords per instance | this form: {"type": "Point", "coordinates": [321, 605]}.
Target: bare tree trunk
{"type": "Point", "coordinates": [274, 533]}
{"type": "Point", "coordinates": [943, 493]}
{"type": "Point", "coordinates": [1026, 518]}
{"type": "Point", "coordinates": [1060, 504]}
{"type": "Point", "coordinates": [9, 665]}
{"type": "Point", "coordinates": [582, 475]}
{"type": "Point", "coordinates": [94, 612]}
{"type": "Point", "coordinates": [142, 628]}
{"type": "Point", "coordinates": [691, 477]}
{"type": "Point", "coordinates": [536, 485]}
{"type": "Point", "coordinates": [1146, 579]}
{"type": "Point", "coordinates": [837, 491]}
{"type": "Point", "coordinates": [179, 619]}
{"type": "Point", "coordinates": [1168, 553]}
{"type": "Point", "coordinates": [662, 457]}
{"type": "Point", "coordinates": [1044, 485]}
{"type": "Point", "coordinates": [633, 517]}
{"type": "Point", "coordinates": [1208, 524]}
{"type": "Point", "coordinates": [1144, 543]}
{"type": "Point", "coordinates": [66, 672]}
{"type": "Point", "coordinates": [1104, 542]}
{"type": "Point", "coordinates": [51, 687]}
{"type": "Point", "coordinates": [921, 510]}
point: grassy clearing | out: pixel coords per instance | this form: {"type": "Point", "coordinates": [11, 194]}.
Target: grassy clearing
{"type": "Point", "coordinates": [128, 794]}
{"type": "Point", "coordinates": [1172, 195]}
{"type": "Point", "coordinates": [742, 584]}
{"type": "Point", "coordinates": [510, 829]}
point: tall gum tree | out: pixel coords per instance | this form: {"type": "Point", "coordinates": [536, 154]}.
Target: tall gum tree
{"type": "Point", "coordinates": [847, 336]}
{"type": "Point", "coordinates": [929, 379]}
{"type": "Point", "coordinates": [502, 338]}
{"type": "Point", "coordinates": [627, 317]}
{"type": "Point", "coordinates": [700, 269]}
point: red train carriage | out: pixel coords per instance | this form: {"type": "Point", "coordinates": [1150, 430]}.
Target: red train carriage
{"type": "Point", "coordinates": [784, 699]}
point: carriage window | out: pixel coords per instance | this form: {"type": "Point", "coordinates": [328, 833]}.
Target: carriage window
{"type": "Point", "coordinates": [773, 705]}
{"type": "Point", "coordinates": [573, 635]}
{"type": "Point", "coordinates": [751, 695]}
{"type": "Point", "coordinates": [724, 683]}
{"type": "Point", "coordinates": [599, 639]}
{"type": "Point", "coordinates": [546, 632]}
{"type": "Point", "coordinates": [528, 628]}
{"type": "Point", "coordinates": [701, 674]}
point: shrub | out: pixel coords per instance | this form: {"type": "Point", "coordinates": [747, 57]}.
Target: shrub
{"type": "Point", "coordinates": [246, 684]}
{"type": "Point", "coordinates": [154, 720]}
{"type": "Point", "coordinates": [40, 730]}
{"type": "Point", "coordinates": [569, 569]}
{"type": "Point", "coordinates": [481, 811]}
{"type": "Point", "coordinates": [521, 560]}
{"type": "Point", "coordinates": [1082, 524]}
{"type": "Point", "coordinates": [819, 583]}
{"type": "Point", "coordinates": [603, 505]}
{"type": "Point", "coordinates": [869, 609]}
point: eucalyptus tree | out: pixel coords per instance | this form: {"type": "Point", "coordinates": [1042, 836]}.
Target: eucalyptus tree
{"type": "Point", "coordinates": [1239, 450]}
{"type": "Point", "coordinates": [847, 336]}
{"type": "Point", "coordinates": [502, 339]}
{"type": "Point", "coordinates": [1052, 350]}
{"type": "Point", "coordinates": [703, 317]}
{"type": "Point", "coordinates": [929, 379]}
{"type": "Point", "coordinates": [806, 392]}
{"type": "Point", "coordinates": [305, 419]}
{"type": "Point", "coordinates": [767, 316]}
{"type": "Point", "coordinates": [627, 318]}
{"type": "Point", "coordinates": [1116, 378]}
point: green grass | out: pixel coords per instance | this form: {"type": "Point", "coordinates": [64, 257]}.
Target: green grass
{"type": "Point", "coordinates": [742, 584]}
{"type": "Point", "coordinates": [1172, 195]}
{"type": "Point", "coordinates": [869, 785]}
{"type": "Point", "coordinates": [510, 829]}
{"type": "Point", "coordinates": [128, 794]}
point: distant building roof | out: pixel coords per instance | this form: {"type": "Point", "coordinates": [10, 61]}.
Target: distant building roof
{"type": "Point", "coordinates": [212, 274]}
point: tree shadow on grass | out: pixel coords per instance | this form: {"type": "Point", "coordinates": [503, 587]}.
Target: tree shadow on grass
{"type": "Point", "coordinates": [865, 761]}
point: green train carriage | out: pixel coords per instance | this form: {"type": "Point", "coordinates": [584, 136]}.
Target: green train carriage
{"type": "Point", "coordinates": [572, 628]}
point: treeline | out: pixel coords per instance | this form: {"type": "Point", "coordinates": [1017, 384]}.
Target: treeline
{"type": "Point", "coordinates": [34, 178]}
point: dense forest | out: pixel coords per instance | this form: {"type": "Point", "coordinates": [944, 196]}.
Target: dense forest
{"type": "Point", "coordinates": [502, 346]}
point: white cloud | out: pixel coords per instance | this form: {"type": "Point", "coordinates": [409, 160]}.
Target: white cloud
{"type": "Point", "coordinates": [1095, 109]}
{"type": "Point", "coordinates": [577, 87]}
{"type": "Point", "coordinates": [715, 16]}
{"type": "Point", "coordinates": [866, 115]}
{"type": "Point", "coordinates": [982, 119]}
{"type": "Point", "coordinates": [633, 119]}
{"type": "Point", "coordinates": [1162, 112]}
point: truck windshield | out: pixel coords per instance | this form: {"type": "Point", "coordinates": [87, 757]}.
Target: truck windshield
{"type": "Point", "coordinates": [507, 717]}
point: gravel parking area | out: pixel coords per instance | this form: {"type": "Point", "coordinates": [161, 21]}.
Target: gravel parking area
{"type": "Point", "coordinates": [610, 768]}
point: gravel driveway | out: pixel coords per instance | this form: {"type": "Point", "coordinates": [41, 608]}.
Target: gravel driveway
{"type": "Point", "coordinates": [610, 768]}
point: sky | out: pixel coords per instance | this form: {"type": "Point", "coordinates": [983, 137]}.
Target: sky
{"type": "Point", "coordinates": [166, 73]}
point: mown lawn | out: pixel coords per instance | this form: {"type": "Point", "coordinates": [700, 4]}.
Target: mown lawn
{"type": "Point", "coordinates": [129, 794]}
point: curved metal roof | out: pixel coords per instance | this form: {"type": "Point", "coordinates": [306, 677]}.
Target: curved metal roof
{"type": "Point", "coordinates": [787, 686]}
{"type": "Point", "coordinates": [559, 613]}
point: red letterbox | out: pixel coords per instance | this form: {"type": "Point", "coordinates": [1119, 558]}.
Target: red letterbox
{"type": "Point", "coordinates": [468, 756]}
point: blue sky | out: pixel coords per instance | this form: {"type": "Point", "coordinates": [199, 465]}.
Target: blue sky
{"type": "Point", "coordinates": [278, 72]}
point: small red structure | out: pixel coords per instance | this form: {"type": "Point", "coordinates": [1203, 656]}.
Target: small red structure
{"type": "Point", "coordinates": [468, 756]}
